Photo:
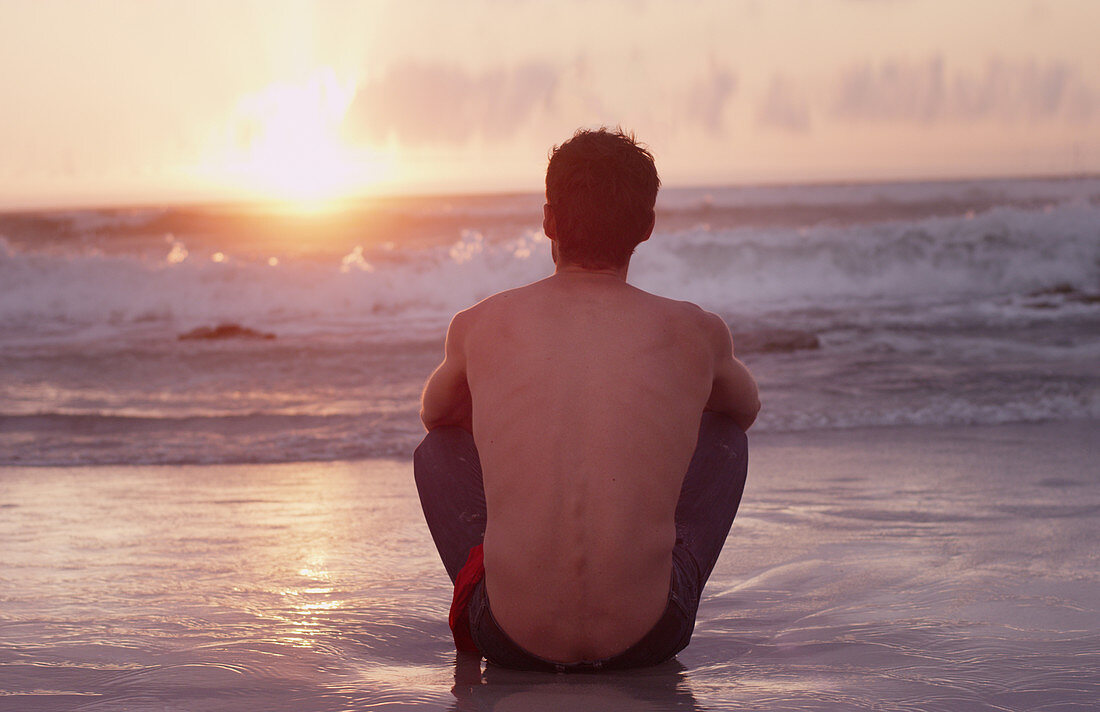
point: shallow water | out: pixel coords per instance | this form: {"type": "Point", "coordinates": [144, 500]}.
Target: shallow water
{"type": "Point", "coordinates": [888, 569]}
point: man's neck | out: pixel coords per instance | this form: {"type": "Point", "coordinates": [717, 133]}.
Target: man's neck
{"type": "Point", "coordinates": [570, 270]}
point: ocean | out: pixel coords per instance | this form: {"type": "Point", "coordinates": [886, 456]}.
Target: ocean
{"type": "Point", "coordinates": [939, 303]}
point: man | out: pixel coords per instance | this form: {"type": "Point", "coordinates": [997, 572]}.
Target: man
{"type": "Point", "coordinates": [607, 456]}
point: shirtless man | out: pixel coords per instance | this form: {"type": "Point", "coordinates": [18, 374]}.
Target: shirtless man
{"type": "Point", "coordinates": [607, 456]}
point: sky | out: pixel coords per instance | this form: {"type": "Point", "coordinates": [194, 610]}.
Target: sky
{"type": "Point", "coordinates": [155, 101]}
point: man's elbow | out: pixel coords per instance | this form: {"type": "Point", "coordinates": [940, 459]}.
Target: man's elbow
{"type": "Point", "coordinates": [744, 415]}
{"type": "Point", "coordinates": [461, 419]}
{"type": "Point", "coordinates": [432, 421]}
{"type": "Point", "coordinates": [748, 417]}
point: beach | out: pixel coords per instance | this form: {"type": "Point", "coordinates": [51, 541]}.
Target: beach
{"type": "Point", "coordinates": [237, 240]}
{"type": "Point", "coordinates": [207, 415]}
{"type": "Point", "coordinates": [894, 568]}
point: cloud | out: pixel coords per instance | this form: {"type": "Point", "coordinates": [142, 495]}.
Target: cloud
{"type": "Point", "coordinates": [433, 103]}
{"type": "Point", "coordinates": [784, 107]}
{"type": "Point", "coordinates": [420, 102]}
{"type": "Point", "coordinates": [927, 92]}
{"type": "Point", "coordinates": [707, 97]}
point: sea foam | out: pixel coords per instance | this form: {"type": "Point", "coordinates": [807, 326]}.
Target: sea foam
{"type": "Point", "coordinates": [735, 271]}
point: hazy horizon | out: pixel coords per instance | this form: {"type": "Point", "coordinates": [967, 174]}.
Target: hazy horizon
{"type": "Point", "coordinates": [329, 205]}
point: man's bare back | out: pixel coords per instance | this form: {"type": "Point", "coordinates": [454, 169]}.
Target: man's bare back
{"type": "Point", "coordinates": [586, 398]}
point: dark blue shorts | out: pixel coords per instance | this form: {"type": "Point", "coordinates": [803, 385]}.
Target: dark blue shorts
{"type": "Point", "coordinates": [669, 635]}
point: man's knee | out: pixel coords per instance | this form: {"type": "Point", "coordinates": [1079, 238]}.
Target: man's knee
{"type": "Point", "coordinates": [443, 439]}
{"type": "Point", "coordinates": [720, 429]}
{"type": "Point", "coordinates": [437, 451]}
{"type": "Point", "coordinates": [427, 455]}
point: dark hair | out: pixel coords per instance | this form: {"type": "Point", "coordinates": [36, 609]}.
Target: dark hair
{"type": "Point", "coordinates": [602, 186]}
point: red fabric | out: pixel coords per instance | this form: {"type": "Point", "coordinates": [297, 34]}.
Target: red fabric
{"type": "Point", "coordinates": [468, 577]}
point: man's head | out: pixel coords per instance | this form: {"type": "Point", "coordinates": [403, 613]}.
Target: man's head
{"type": "Point", "coordinates": [600, 190]}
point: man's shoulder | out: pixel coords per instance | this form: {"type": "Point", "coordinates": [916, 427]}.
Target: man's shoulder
{"type": "Point", "coordinates": [517, 301]}
{"type": "Point", "coordinates": [491, 304]}
{"type": "Point", "coordinates": [696, 324]}
{"type": "Point", "coordinates": [688, 312]}
{"type": "Point", "coordinates": [489, 309]}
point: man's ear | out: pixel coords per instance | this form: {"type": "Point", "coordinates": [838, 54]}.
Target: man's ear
{"type": "Point", "coordinates": [549, 223]}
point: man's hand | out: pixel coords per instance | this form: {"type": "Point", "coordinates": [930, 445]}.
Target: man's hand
{"type": "Point", "coordinates": [447, 399]}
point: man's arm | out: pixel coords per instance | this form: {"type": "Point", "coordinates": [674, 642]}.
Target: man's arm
{"type": "Point", "coordinates": [734, 390]}
{"type": "Point", "coordinates": [446, 399]}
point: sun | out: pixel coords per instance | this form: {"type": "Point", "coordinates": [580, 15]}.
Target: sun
{"type": "Point", "coordinates": [288, 143]}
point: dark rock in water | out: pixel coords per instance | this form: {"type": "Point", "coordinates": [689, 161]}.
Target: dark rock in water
{"type": "Point", "coordinates": [764, 341]}
{"type": "Point", "coordinates": [1061, 288]}
{"type": "Point", "coordinates": [225, 331]}
{"type": "Point", "coordinates": [1067, 292]}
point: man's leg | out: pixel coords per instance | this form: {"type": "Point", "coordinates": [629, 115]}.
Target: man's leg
{"type": "Point", "coordinates": [448, 476]}
{"type": "Point", "coordinates": [712, 491]}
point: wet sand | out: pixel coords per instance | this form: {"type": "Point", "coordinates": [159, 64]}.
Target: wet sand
{"type": "Point", "coordinates": [888, 568]}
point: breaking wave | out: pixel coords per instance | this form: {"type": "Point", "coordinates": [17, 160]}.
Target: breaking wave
{"type": "Point", "coordinates": [744, 270]}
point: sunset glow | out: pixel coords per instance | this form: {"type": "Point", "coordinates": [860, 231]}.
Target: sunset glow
{"type": "Point", "coordinates": [312, 102]}
{"type": "Point", "coordinates": [288, 144]}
